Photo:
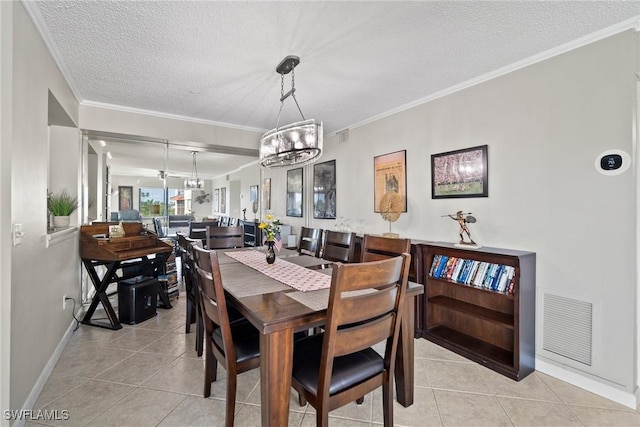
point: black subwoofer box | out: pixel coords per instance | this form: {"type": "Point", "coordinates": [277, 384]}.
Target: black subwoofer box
{"type": "Point", "coordinates": [137, 299]}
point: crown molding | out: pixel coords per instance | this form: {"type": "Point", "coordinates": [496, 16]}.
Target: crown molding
{"type": "Point", "coordinates": [159, 114]}
{"type": "Point", "coordinates": [632, 23]}
{"type": "Point", "coordinates": [38, 22]}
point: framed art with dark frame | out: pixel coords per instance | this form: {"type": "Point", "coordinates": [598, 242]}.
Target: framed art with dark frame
{"type": "Point", "coordinates": [223, 199]}
{"type": "Point", "coordinates": [390, 174]}
{"type": "Point", "coordinates": [266, 193]}
{"type": "Point", "coordinates": [324, 190]}
{"type": "Point", "coordinates": [125, 198]}
{"type": "Point", "coordinates": [216, 199]}
{"type": "Point", "coordinates": [460, 173]}
{"type": "Point", "coordinates": [294, 192]}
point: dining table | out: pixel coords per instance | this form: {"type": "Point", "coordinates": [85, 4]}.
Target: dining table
{"type": "Point", "coordinates": [289, 296]}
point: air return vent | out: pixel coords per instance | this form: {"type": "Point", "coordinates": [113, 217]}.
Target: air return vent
{"type": "Point", "coordinates": [343, 136]}
{"type": "Point", "coordinates": [567, 329]}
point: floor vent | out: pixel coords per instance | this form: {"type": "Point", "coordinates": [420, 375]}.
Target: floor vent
{"type": "Point", "coordinates": [343, 136]}
{"type": "Point", "coordinates": [567, 329]}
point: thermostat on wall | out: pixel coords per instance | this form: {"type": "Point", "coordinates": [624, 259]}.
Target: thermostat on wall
{"type": "Point", "coordinates": [613, 162]}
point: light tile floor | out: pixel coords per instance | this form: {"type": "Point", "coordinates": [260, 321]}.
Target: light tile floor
{"type": "Point", "coordinates": [149, 375]}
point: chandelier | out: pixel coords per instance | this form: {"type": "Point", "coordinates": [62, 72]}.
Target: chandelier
{"type": "Point", "coordinates": [194, 182]}
{"type": "Point", "coordinates": [297, 143]}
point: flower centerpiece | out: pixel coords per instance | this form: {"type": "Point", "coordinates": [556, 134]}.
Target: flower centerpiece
{"type": "Point", "coordinates": [271, 231]}
{"type": "Point", "coordinates": [270, 228]}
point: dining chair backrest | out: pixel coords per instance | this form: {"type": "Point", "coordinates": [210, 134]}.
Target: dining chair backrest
{"type": "Point", "coordinates": [198, 230]}
{"type": "Point", "coordinates": [236, 357]}
{"type": "Point", "coordinates": [157, 226]}
{"type": "Point", "coordinates": [214, 305]}
{"type": "Point", "coordinates": [339, 246]}
{"type": "Point", "coordinates": [375, 248]}
{"type": "Point", "coordinates": [365, 308]}
{"type": "Point", "coordinates": [192, 289]}
{"type": "Point", "coordinates": [224, 237]}
{"type": "Point", "coordinates": [224, 221]}
{"type": "Point", "coordinates": [234, 221]}
{"type": "Point", "coordinates": [310, 241]}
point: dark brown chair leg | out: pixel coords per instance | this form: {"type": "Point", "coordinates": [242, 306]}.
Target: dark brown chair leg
{"type": "Point", "coordinates": [360, 401]}
{"type": "Point", "coordinates": [301, 400]}
{"type": "Point", "coordinates": [232, 383]}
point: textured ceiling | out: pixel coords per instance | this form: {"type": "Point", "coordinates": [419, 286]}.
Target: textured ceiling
{"type": "Point", "coordinates": [216, 60]}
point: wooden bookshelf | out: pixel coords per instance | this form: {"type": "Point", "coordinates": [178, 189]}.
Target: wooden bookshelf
{"type": "Point", "coordinates": [491, 327]}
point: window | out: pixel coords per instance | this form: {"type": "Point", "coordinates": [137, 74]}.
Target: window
{"type": "Point", "coordinates": [161, 202]}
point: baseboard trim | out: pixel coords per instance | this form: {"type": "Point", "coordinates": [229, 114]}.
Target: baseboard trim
{"type": "Point", "coordinates": [46, 372]}
{"type": "Point", "coordinates": [627, 399]}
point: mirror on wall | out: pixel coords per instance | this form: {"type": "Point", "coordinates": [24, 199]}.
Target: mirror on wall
{"type": "Point", "coordinates": [148, 176]}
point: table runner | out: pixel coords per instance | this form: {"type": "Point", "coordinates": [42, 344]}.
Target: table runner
{"type": "Point", "coordinates": [290, 274]}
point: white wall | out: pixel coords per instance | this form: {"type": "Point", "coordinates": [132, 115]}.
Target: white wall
{"type": "Point", "coordinates": [38, 322]}
{"type": "Point", "coordinates": [6, 137]}
{"type": "Point", "coordinates": [544, 125]}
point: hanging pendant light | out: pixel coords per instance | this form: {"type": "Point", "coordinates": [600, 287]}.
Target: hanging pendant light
{"type": "Point", "coordinates": [194, 182]}
{"type": "Point", "coordinates": [297, 143]}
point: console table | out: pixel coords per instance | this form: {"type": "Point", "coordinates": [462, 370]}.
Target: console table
{"type": "Point", "coordinates": [133, 251]}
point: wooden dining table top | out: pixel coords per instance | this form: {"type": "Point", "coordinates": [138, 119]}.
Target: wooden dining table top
{"type": "Point", "coordinates": [278, 309]}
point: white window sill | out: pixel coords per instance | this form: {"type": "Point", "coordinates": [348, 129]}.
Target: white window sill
{"type": "Point", "coordinates": [58, 235]}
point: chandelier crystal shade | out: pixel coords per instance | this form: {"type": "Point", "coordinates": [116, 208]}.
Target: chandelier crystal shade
{"type": "Point", "coordinates": [293, 144]}
{"type": "Point", "coordinates": [194, 182]}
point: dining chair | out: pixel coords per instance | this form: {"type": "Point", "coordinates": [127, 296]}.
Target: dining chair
{"type": "Point", "coordinates": [310, 241]}
{"type": "Point", "coordinates": [339, 246]}
{"type": "Point", "coordinates": [375, 248]}
{"type": "Point", "coordinates": [224, 221]}
{"type": "Point", "coordinates": [192, 289]}
{"type": "Point", "coordinates": [224, 237]}
{"type": "Point", "coordinates": [235, 344]}
{"type": "Point", "coordinates": [234, 221]}
{"type": "Point", "coordinates": [157, 226]}
{"type": "Point", "coordinates": [339, 366]}
{"type": "Point", "coordinates": [198, 229]}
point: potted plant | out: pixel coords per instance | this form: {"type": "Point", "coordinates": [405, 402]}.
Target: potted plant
{"type": "Point", "coordinates": [61, 205]}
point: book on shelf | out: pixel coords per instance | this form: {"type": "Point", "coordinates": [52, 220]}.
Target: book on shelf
{"type": "Point", "coordinates": [472, 273]}
{"type": "Point", "coordinates": [441, 263]}
{"type": "Point", "coordinates": [434, 264]}
{"type": "Point", "coordinates": [457, 269]}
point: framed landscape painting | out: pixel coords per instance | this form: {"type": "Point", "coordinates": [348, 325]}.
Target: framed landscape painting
{"type": "Point", "coordinates": [390, 174]}
{"type": "Point", "coordinates": [216, 199]}
{"type": "Point", "coordinates": [324, 190]}
{"type": "Point", "coordinates": [223, 200]}
{"type": "Point", "coordinates": [294, 192]}
{"type": "Point", "coordinates": [460, 173]}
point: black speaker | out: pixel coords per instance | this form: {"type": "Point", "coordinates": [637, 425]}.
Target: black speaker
{"type": "Point", "coordinates": [137, 299]}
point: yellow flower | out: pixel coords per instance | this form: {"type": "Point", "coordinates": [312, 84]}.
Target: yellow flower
{"type": "Point", "coordinates": [271, 227]}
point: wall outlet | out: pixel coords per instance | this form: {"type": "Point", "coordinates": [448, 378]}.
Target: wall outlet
{"type": "Point", "coordinates": [64, 302]}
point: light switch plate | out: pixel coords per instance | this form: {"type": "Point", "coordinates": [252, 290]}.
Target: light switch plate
{"type": "Point", "coordinates": [18, 234]}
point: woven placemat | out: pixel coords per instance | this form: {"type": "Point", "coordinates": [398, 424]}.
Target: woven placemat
{"type": "Point", "coordinates": [308, 261]}
{"type": "Point", "coordinates": [242, 281]}
{"type": "Point", "coordinates": [319, 300]}
{"type": "Point", "coordinates": [316, 300]}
